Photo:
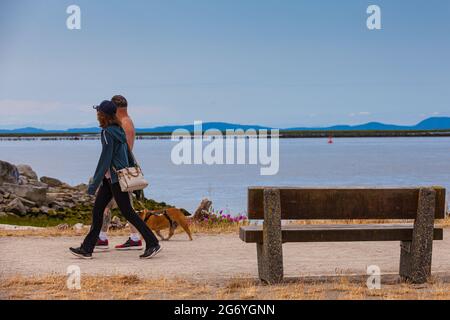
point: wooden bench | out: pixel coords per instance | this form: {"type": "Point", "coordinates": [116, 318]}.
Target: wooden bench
{"type": "Point", "coordinates": [271, 204]}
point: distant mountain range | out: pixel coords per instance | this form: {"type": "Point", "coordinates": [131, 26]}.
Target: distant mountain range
{"type": "Point", "coordinates": [434, 123]}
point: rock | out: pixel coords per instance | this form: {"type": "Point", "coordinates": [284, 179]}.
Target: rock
{"type": "Point", "coordinates": [32, 193]}
{"type": "Point", "coordinates": [10, 214]}
{"type": "Point", "coordinates": [116, 223]}
{"type": "Point", "coordinates": [37, 183]}
{"type": "Point", "coordinates": [63, 226]}
{"type": "Point", "coordinates": [8, 173]}
{"type": "Point", "coordinates": [27, 203]}
{"type": "Point", "coordinates": [35, 210]}
{"type": "Point", "coordinates": [67, 186]}
{"type": "Point", "coordinates": [27, 171]}
{"type": "Point", "coordinates": [44, 209]}
{"type": "Point", "coordinates": [81, 187]}
{"type": "Point", "coordinates": [51, 212]}
{"type": "Point", "coordinates": [51, 196]}
{"type": "Point", "coordinates": [12, 196]}
{"type": "Point", "coordinates": [23, 180]}
{"type": "Point", "coordinates": [57, 205]}
{"type": "Point", "coordinates": [52, 182]}
{"type": "Point", "coordinates": [3, 214]}
{"type": "Point", "coordinates": [78, 227]}
{"type": "Point", "coordinates": [16, 206]}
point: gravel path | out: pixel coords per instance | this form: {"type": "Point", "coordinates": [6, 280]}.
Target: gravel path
{"type": "Point", "coordinates": [208, 257]}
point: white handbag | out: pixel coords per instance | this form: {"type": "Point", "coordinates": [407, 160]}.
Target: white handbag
{"type": "Point", "coordinates": [131, 178]}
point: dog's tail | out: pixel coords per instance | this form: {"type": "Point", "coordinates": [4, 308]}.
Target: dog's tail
{"type": "Point", "coordinates": [185, 212]}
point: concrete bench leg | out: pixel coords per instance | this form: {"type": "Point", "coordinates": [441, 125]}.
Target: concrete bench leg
{"type": "Point", "coordinates": [270, 252]}
{"type": "Point", "coordinates": [416, 255]}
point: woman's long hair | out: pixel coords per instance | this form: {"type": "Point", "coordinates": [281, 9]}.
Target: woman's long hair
{"type": "Point", "coordinates": [106, 120]}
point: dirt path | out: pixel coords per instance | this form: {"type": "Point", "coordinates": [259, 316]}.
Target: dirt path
{"type": "Point", "coordinates": [208, 257]}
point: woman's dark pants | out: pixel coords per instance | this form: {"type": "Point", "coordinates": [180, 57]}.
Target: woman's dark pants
{"type": "Point", "coordinates": [104, 195]}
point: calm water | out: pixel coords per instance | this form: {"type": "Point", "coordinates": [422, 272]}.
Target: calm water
{"type": "Point", "coordinates": [303, 162]}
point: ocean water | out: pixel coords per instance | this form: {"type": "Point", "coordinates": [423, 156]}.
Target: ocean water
{"type": "Point", "coordinates": [303, 162]}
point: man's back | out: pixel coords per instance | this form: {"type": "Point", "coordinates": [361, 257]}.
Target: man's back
{"type": "Point", "coordinates": [128, 127]}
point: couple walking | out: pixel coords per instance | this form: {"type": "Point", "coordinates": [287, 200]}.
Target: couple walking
{"type": "Point", "coordinates": [117, 138]}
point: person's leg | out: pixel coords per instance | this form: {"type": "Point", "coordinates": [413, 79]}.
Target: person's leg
{"type": "Point", "coordinates": [106, 220]}
{"type": "Point", "coordinates": [134, 242]}
{"type": "Point", "coordinates": [104, 196]}
{"type": "Point", "coordinates": [123, 201]}
{"type": "Point", "coordinates": [134, 233]}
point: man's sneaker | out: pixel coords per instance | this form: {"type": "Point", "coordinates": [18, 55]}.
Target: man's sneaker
{"type": "Point", "coordinates": [151, 252]}
{"type": "Point", "coordinates": [80, 253]}
{"type": "Point", "coordinates": [130, 245]}
{"type": "Point", "coordinates": [101, 245]}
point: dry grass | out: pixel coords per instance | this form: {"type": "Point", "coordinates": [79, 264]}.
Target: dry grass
{"type": "Point", "coordinates": [132, 287]}
{"type": "Point", "coordinates": [439, 222]}
{"type": "Point", "coordinates": [55, 232]}
{"type": "Point", "coordinates": [50, 232]}
{"type": "Point", "coordinates": [202, 228]}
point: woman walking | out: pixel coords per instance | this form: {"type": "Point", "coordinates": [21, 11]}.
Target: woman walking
{"type": "Point", "coordinates": [114, 156]}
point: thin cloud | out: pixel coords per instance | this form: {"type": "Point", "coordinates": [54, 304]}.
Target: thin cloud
{"type": "Point", "coordinates": [361, 113]}
{"type": "Point", "coordinates": [58, 115]}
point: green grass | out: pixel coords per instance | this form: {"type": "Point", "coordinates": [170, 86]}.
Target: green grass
{"type": "Point", "coordinates": [37, 222]}
{"type": "Point", "coordinates": [79, 214]}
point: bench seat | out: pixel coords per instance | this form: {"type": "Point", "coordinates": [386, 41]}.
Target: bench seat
{"type": "Point", "coordinates": [337, 233]}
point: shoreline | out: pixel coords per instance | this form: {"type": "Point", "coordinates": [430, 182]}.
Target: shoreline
{"type": "Point", "coordinates": [283, 135]}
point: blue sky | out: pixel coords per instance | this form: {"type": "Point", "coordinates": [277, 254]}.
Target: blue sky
{"type": "Point", "coordinates": [278, 63]}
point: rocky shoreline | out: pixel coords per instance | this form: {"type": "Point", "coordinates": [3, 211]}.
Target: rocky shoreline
{"type": "Point", "coordinates": [24, 194]}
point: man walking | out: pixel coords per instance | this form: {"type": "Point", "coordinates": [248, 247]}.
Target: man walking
{"type": "Point", "coordinates": [134, 241]}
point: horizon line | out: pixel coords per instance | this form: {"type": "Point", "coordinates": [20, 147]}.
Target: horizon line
{"type": "Point", "coordinates": [236, 124]}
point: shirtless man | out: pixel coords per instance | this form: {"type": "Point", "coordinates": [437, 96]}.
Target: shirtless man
{"type": "Point", "coordinates": [134, 241]}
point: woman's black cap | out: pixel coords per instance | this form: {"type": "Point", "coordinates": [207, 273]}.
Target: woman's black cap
{"type": "Point", "coordinates": [107, 107]}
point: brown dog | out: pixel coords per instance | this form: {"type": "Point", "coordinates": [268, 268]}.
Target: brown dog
{"type": "Point", "coordinates": [169, 218]}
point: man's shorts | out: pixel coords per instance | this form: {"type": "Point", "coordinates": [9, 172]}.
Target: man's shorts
{"type": "Point", "coordinates": [113, 204]}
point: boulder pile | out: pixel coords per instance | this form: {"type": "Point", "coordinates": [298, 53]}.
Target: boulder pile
{"type": "Point", "coordinates": [23, 193]}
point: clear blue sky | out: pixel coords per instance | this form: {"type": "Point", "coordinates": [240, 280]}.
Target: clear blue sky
{"type": "Point", "coordinates": [271, 62]}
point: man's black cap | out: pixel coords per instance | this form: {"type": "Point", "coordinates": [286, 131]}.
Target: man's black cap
{"type": "Point", "coordinates": [107, 107]}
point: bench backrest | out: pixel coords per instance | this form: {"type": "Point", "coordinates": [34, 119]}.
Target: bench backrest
{"type": "Point", "coordinates": [344, 203]}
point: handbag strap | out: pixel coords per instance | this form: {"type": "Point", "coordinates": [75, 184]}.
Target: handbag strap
{"type": "Point", "coordinates": [136, 164]}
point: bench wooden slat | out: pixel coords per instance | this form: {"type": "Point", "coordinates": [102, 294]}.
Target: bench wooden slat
{"type": "Point", "coordinates": [338, 233]}
{"type": "Point", "coordinates": [344, 203]}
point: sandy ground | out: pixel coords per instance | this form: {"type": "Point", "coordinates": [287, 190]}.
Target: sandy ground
{"type": "Point", "coordinates": [208, 257]}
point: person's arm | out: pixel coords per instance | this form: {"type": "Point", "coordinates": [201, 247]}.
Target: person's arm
{"type": "Point", "coordinates": [104, 163]}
